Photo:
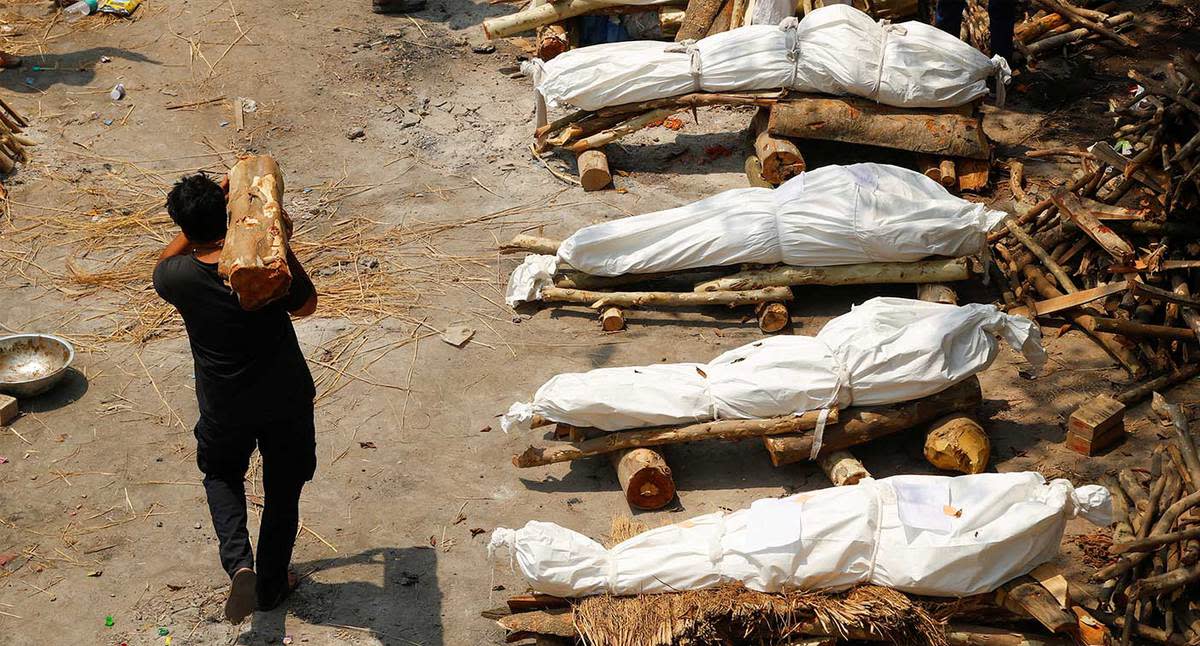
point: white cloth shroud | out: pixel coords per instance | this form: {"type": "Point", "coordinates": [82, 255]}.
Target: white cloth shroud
{"type": "Point", "coordinates": [884, 351]}
{"type": "Point", "coordinates": [834, 215]}
{"type": "Point", "coordinates": [998, 526]}
{"type": "Point", "coordinates": [834, 50]}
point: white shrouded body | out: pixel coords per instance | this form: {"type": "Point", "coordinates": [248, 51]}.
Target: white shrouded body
{"type": "Point", "coordinates": [884, 351]}
{"type": "Point", "coordinates": [833, 50]}
{"type": "Point", "coordinates": [930, 535]}
{"type": "Point", "coordinates": [834, 215]}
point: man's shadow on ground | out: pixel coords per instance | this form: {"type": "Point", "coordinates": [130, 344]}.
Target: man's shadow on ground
{"type": "Point", "coordinates": [396, 600]}
{"type": "Point", "coordinates": [39, 72]}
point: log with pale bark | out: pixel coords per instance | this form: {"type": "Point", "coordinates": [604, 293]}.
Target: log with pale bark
{"type": "Point", "coordinates": [644, 476]}
{"type": "Point", "coordinates": [937, 293]}
{"type": "Point", "coordinates": [861, 121]}
{"type": "Point", "coordinates": [542, 15]}
{"type": "Point", "coordinates": [598, 300]}
{"type": "Point", "coordinates": [780, 157]}
{"type": "Point", "coordinates": [843, 469]}
{"type": "Point", "coordinates": [861, 424]}
{"type": "Point", "coordinates": [254, 258]}
{"type": "Point", "coordinates": [875, 273]}
{"type": "Point", "coordinates": [607, 442]}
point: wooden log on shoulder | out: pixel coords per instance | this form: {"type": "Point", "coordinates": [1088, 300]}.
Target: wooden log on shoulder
{"type": "Point", "coordinates": [861, 424]}
{"type": "Point", "coordinates": [645, 477]}
{"type": "Point", "coordinates": [859, 121]}
{"type": "Point", "coordinates": [780, 157]}
{"type": "Point", "coordinates": [598, 300]}
{"type": "Point", "coordinates": [734, 429]}
{"type": "Point", "coordinates": [942, 270]}
{"type": "Point", "coordinates": [254, 258]}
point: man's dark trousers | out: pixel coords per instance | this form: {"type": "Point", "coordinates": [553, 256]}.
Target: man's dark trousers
{"type": "Point", "coordinates": [288, 449]}
{"type": "Point", "coordinates": [1002, 15]}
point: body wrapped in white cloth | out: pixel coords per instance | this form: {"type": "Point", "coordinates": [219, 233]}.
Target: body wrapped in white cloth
{"type": "Point", "coordinates": [884, 351]}
{"type": "Point", "coordinates": [930, 535]}
{"type": "Point", "coordinates": [833, 50]}
{"type": "Point", "coordinates": [834, 215]}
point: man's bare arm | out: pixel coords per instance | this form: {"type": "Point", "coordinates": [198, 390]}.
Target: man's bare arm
{"type": "Point", "coordinates": [176, 247]}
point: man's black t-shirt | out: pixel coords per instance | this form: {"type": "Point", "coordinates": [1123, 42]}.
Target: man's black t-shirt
{"type": "Point", "coordinates": [249, 367]}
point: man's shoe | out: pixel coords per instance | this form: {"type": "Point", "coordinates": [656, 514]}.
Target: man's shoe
{"type": "Point", "coordinates": [397, 6]}
{"type": "Point", "coordinates": [242, 600]}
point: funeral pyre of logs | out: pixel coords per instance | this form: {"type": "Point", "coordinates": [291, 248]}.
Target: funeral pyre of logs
{"type": "Point", "coordinates": [1113, 252]}
{"type": "Point", "coordinates": [12, 142]}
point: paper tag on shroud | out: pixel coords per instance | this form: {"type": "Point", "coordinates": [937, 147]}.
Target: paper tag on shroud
{"type": "Point", "coordinates": [773, 523]}
{"type": "Point", "coordinates": [922, 505]}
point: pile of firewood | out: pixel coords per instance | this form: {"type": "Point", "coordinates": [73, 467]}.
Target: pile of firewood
{"type": "Point", "coordinates": [12, 143]}
{"type": "Point", "coordinates": [1057, 24]}
{"type": "Point", "coordinates": [1153, 588]}
{"type": "Point", "coordinates": [554, 23]}
{"type": "Point", "coordinates": [1112, 253]}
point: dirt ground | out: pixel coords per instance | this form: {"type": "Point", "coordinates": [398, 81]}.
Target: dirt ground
{"type": "Point", "coordinates": [101, 513]}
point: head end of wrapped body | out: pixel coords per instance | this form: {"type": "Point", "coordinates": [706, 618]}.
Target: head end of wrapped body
{"type": "Point", "coordinates": [1024, 336]}
{"type": "Point", "coordinates": [527, 280]}
{"type": "Point", "coordinates": [1093, 502]}
{"type": "Point", "coordinates": [1003, 72]}
{"type": "Point", "coordinates": [518, 418]}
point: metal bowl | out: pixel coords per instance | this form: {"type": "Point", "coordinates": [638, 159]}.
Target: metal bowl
{"type": "Point", "coordinates": [31, 364]}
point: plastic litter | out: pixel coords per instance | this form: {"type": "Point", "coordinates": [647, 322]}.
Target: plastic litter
{"type": "Point", "coordinates": [163, 632]}
{"type": "Point", "coordinates": [119, 7]}
{"type": "Point", "coordinates": [834, 50]}
{"type": "Point", "coordinates": [80, 9]}
{"type": "Point", "coordinates": [108, 621]}
{"type": "Point", "coordinates": [834, 215]}
{"type": "Point", "coordinates": [884, 351]}
{"type": "Point", "coordinates": [118, 92]}
{"type": "Point", "coordinates": [930, 535]}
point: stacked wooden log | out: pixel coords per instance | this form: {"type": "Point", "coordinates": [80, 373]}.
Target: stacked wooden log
{"type": "Point", "coordinates": [952, 138]}
{"type": "Point", "coordinates": [555, 26]}
{"type": "Point", "coordinates": [1112, 252]}
{"type": "Point", "coordinates": [1153, 587]}
{"type": "Point", "coordinates": [1057, 24]}
{"type": "Point", "coordinates": [954, 441]}
{"type": "Point", "coordinates": [767, 289]}
{"type": "Point", "coordinates": [12, 143]}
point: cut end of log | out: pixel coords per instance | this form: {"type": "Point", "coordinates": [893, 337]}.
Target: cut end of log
{"type": "Point", "coordinates": [530, 457]}
{"type": "Point", "coordinates": [772, 317]}
{"type": "Point", "coordinates": [257, 286]}
{"type": "Point", "coordinates": [593, 170]}
{"type": "Point", "coordinates": [645, 478]}
{"type": "Point", "coordinates": [958, 443]}
{"type": "Point", "coordinates": [612, 319]}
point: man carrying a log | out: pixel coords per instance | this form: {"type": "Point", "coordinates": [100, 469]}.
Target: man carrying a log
{"type": "Point", "coordinates": [253, 387]}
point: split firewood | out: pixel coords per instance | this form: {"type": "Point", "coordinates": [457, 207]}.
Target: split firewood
{"type": "Point", "coordinates": [1016, 180]}
{"type": "Point", "coordinates": [723, 19]}
{"type": "Point", "coordinates": [877, 273]}
{"type": "Point", "coordinates": [1072, 14]}
{"type": "Point", "coordinates": [780, 158]}
{"type": "Point", "coordinates": [254, 258]}
{"type": "Point", "coordinates": [593, 170]}
{"type": "Point", "coordinates": [843, 468]}
{"type": "Point", "coordinates": [607, 442]}
{"type": "Point", "coordinates": [861, 424]}
{"type": "Point", "coordinates": [1173, 414]}
{"type": "Point", "coordinates": [645, 477]}
{"type": "Point", "coordinates": [598, 300]}
{"type": "Point", "coordinates": [1104, 236]}
{"type": "Point", "coordinates": [1134, 328]}
{"type": "Point", "coordinates": [532, 244]}
{"type": "Point", "coordinates": [1027, 597]}
{"type": "Point", "coordinates": [948, 174]}
{"type": "Point", "coordinates": [860, 121]}
{"type": "Point", "coordinates": [958, 443]}
{"type": "Point", "coordinates": [1096, 425]}
{"type": "Point", "coordinates": [1058, 304]}
{"type": "Point", "coordinates": [1141, 391]}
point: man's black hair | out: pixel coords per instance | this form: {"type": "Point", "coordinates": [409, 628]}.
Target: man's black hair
{"type": "Point", "coordinates": [197, 204]}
